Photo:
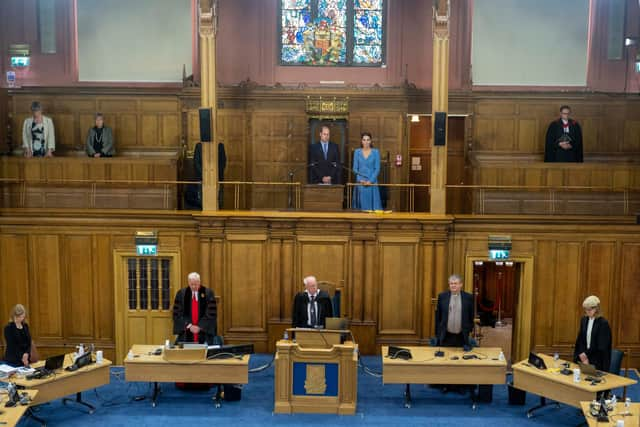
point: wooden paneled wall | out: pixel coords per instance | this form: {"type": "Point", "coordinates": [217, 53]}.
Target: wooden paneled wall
{"type": "Point", "coordinates": [571, 260]}
{"type": "Point", "coordinates": [266, 131]}
{"type": "Point", "coordinates": [267, 140]}
{"type": "Point", "coordinates": [61, 265]}
{"type": "Point", "coordinates": [42, 186]}
{"type": "Point", "coordinates": [517, 124]}
{"type": "Point", "coordinates": [140, 122]}
{"type": "Point", "coordinates": [604, 188]}
{"type": "Point", "coordinates": [4, 143]}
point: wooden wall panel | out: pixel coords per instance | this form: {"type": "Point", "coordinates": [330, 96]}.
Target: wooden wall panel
{"type": "Point", "coordinates": [245, 293]}
{"type": "Point", "coordinates": [280, 141]}
{"type": "Point", "coordinates": [138, 121]}
{"type": "Point", "coordinates": [629, 327]}
{"type": "Point", "coordinates": [600, 267]}
{"type": "Point", "coordinates": [598, 188]}
{"type": "Point", "coordinates": [517, 123]}
{"type": "Point", "coordinates": [568, 263]}
{"type": "Point", "coordinates": [391, 269]}
{"type": "Point", "coordinates": [14, 271]}
{"type": "Point", "coordinates": [399, 311]}
{"type": "Point", "coordinates": [45, 296]}
{"type": "Point", "coordinates": [103, 283]}
{"type": "Point", "coordinates": [78, 287]}
{"type": "Point", "coordinates": [544, 292]}
{"type": "Point", "coordinates": [323, 257]}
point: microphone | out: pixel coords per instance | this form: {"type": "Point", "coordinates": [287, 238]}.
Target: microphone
{"type": "Point", "coordinates": [291, 174]}
{"type": "Point", "coordinates": [335, 165]}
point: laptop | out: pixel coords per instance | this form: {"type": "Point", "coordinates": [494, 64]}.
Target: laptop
{"type": "Point", "coordinates": [537, 361]}
{"type": "Point", "coordinates": [589, 370]}
{"type": "Point", "coordinates": [54, 363]}
{"type": "Point", "coordinates": [336, 323]}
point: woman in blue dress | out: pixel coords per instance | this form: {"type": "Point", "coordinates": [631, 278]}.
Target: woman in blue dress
{"type": "Point", "coordinates": [366, 165]}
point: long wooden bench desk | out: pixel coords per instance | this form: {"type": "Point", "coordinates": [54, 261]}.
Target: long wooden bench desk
{"type": "Point", "coordinates": [83, 182]}
{"type": "Point", "coordinates": [453, 367]}
{"type": "Point", "coordinates": [149, 367]}
{"type": "Point", "coordinates": [64, 383]}
{"type": "Point", "coordinates": [550, 383]}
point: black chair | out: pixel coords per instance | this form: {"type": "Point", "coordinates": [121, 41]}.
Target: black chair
{"type": "Point", "coordinates": [616, 366]}
{"type": "Point", "coordinates": [616, 361]}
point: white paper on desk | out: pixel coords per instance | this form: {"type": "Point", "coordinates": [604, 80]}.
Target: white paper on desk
{"type": "Point", "coordinates": [7, 370]}
{"type": "Point", "coordinates": [212, 347]}
{"type": "Point", "coordinates": [25, 371]}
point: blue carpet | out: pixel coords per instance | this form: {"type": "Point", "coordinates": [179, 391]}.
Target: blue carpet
{"type": "Point", "coordinates": [377, 406]}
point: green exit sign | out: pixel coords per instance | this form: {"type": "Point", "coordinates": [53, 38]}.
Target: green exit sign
{"type": "Point", "coordinates": [498, 254]}
{"type": "Point", "coordinates": [146, 250]}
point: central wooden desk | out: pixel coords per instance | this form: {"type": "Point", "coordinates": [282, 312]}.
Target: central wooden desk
{"type": "Point", "coordinates": [631, 419]}
{"type": "Point", "coordinates": [145, 366]}
{"type": "Point", "coordinates": [316, 374]}
{"type": "Point", "coordinates": [550, 383]}
{"type": "Point", "coordinates": [11, 416]}
{"type": "Point", "coordinates": [425, 368]}
{"type": "Point", "coordinates": [64, 383]}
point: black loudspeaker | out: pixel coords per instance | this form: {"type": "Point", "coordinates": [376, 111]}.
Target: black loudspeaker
{"type": "Point", "coordinates": [516, 396]}
{"type": "Point", "coordinates": [485, 393]}
{"type": "Point", "coordinates": [440, 128]}
{"type": "Point", "coordinates": [205, 124]}
{"type": "Point", "coordinates": [232, 392]}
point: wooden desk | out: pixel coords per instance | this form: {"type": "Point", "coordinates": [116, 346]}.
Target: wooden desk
{"type": "Point", "coordinates": [151, 368]}
{"type": "Point", "coordinates": [316, 197]}
{"type": "Point", "coordinates": [550, 383]}
{"type": "Point", "coordinates": [11, 416]}
{"type": "Point", "coordinates": [425, 368]}
{"type": "Point", "coordinates": [65, 383]}
{"type": "Point", "coordinates": [316, 380]}
{"type": "Point", "coordinates": [631, 420]}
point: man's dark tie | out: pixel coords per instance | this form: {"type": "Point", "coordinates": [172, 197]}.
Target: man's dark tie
{"type": "Point", "coordinates": [312, 311]}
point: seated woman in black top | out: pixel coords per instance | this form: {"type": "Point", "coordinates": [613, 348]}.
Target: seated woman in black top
{"type": "Point", "coordinates": [18, 338]}
{"type": "Point", "coordinates": [593, 345]}
{"type": "Point", "coordinates": [100, 139]}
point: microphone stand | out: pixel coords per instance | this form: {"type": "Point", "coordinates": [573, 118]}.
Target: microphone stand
{"type": "Point", "coordinates": [291, 174]}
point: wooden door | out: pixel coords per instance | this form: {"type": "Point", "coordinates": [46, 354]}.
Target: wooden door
{"type": "Point", "coordinates": [145, 288]}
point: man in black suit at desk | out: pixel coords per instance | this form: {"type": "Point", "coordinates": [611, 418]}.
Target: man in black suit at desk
{"type": "Point", "coordinates": [311, 307]}
{"type": "Point", "coordinates": [454, 315]}
{"type": "Point", "coordinates": [325, 158]}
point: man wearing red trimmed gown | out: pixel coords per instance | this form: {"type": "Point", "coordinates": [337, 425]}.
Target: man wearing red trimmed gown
{"type": "Point", "coordinates": [195, 313]}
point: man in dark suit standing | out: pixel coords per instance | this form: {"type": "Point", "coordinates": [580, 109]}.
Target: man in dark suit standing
{"type": "Point", "coordinates": [325, 158]}
{"type": "Point", "coordinates": [312, 306]}
{"type": "Point", "coordinates": [454, 315]}
{"type": "Point", "coordinates": [564, 139]}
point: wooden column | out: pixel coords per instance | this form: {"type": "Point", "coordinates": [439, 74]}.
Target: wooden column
{"type": "Point", "coordinates": [439, 103]}
{"type": "Point", "coordinates": [208, 28]}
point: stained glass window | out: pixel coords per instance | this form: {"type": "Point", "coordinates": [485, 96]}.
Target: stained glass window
{"type": "Point", "coordinates": [332, 32]}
